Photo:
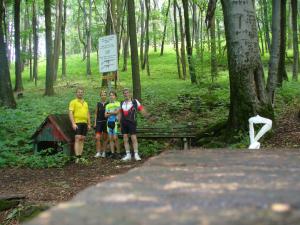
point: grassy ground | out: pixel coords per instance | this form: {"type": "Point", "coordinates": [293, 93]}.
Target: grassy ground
{"type": "Point", "coordinates": [170, 100]}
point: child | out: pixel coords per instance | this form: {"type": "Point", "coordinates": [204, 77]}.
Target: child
{"type": "Point", "coordinates": [112, 111]}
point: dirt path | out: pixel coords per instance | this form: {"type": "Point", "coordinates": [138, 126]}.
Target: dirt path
{"type": "Point", "coordinates": [50, 186]}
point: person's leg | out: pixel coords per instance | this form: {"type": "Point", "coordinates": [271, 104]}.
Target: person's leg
{"type": "Point", "coordinates": [135, 147]}
{"type": "Point", "coordinates": [127, 148]}
{"type": "Point", "coordinates": [117, 145]}
{"type": "Point", "coordinates": [81, 143]}
{"type": "Point", "coordinates": [104, 146]}
{"type": "Point", "coordinates": [77, 145]}
{"type": "Point", "coordinates": [111, 143]}
{"type": "Point", "coordinates": [98, 145]}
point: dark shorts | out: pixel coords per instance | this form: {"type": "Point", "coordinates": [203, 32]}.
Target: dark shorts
{"type": "Point", "coordinates": [82, 129]}
{"type": "Point", "coordinates": [128, 127]}
{"type": "Point", "coordinates": [101, 127]}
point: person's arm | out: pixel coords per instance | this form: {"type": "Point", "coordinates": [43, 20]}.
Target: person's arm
{"type": "Point", "coordinates": [89, 120]}
{"type": "Point", "coordinates": [142, 110]}
{"type": "Point", "coordinates": [145, 113]}
{"type": "Point", "coordinates": [96, 113]}
{"type": "Point", "coordinates": [106, 114]}
{"type": "Point", "coordinates": [74, 126]}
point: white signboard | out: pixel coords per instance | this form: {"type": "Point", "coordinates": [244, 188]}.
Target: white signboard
{"type": "Point", "coordinates": [108, 54]}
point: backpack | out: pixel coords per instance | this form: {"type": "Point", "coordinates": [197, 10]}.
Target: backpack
{"type": "Point", "coordinates": [132, 115]}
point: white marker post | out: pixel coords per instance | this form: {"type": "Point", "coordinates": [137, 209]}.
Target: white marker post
{"type": "Point", "coordinates": [254, 144]}
{"type": "Point", "coordinates": [108, 55]}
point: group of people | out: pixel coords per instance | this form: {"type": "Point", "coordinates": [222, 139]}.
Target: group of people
{"type": "Point", "coordinates": [109, 116]}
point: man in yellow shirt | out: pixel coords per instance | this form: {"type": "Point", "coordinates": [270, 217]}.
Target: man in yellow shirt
{"type": "Point", "coordinates": [81, 121]}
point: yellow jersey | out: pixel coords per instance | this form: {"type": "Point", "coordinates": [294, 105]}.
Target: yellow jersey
{"type": "Point", "coordinates": [80, 110]}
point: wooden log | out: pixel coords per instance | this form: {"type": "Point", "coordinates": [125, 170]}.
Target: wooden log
{"type": "Point", "coordinates": [8, 202]}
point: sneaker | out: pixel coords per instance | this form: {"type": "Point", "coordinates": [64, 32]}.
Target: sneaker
{"type": "Point", "coordinates": [137, 157]}
{"type": "Point", "coordinates": [77, 160]}
{"type": "Point", "coordinates": [255, 145]}
{"type": "Point", "coordinates": [98, 154]}
{"type": "Point", "coordinates": [127, 157]}
{"type": "Point", "coordinates": [103, 155]}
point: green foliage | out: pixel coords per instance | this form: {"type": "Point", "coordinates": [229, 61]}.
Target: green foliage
{"type": "Point", "coordinates": [150, 148]}
{"type": "Point", "coordinates": [170, 100]}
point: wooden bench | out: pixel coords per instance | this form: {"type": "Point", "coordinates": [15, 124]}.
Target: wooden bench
{"type": "Point", "coordinates": [184, 132]}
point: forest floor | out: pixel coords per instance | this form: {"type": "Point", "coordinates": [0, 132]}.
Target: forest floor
{"type": "Point", "coordinates": [50, 186]}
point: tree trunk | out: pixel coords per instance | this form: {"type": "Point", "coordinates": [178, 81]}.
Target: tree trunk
{"type": "Point", "coordinates": [6, 93]}
{"type": "Point", "coordinates": [266, 24]}
{"type": "Point", "coordinates": [89, 41]}
{"type": "Point", "coordinates": [136, 84]}
{"type": "Point", "coordinates": [154, 29]}
{"type": "Point", "coordinates": [213, 55]}
{"type": "Point", "coordinates": [261, 47]}
{"type": "Point", "coordinates": [219, 38]}
{"type": "Point", "coordinates": [35, 42]}
{"type": "Point", "coordinates": [49, 64]}
{"type": "Point", "coordinates": [247, 90]}
{"type": "Point", "coordinates": [176, 40]}
{"type": "Point", "coordinates": [188, 41]}
{"type": "Point", "coordinates": [18, 83]}
{"type": "Point", "coordinates": [147, 41]}
{"type": "Point", "coordinates": [125, 52]}
{"type": "Point", "coordinates": [6, 23]}
{"type": "Point", "coordinates": [142, 3]}
{"type": "Point", "coordinates": [289, 27]}
{"type": "Point", "coordinates": [63, 41]}
{"type": "Point", "coordinates": [25, 37]}
{"type": "Point", "coordinates": [57, 40]}
{"type": "Point", "coordinates": [282, 75]}
{"type": "Point", "coordinates": [165, 29]}
{"type": "Point", "coordinates": [274, 51]}
{"type": "Point", "coordinates": [182, 47]}
{"type": "Point", "coordinates": [295, 39]}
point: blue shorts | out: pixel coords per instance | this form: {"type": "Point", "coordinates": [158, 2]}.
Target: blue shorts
{"type": "Point", "coordinates": [112, 128]}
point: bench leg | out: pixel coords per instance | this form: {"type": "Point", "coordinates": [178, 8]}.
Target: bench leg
{"type": "Point", "coordinates": [185, 144]}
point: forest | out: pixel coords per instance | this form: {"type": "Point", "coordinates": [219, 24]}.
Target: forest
{"type": "Point", "coordinates": [203, 63]}
{"type": "Point", "coordinates": [211, 63]}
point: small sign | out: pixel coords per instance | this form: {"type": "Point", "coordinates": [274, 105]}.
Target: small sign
{"type": "Point", "coordinates": [108, 53]}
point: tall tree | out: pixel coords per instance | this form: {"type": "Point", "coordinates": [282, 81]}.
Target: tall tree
{"type": "Point", "coordinates": [154, 26]}
{"type": "Point", "coordinates": [266, 23]}
{"type": "Point", "coordinates": [295, 39]}
{"type": "Point", "coordinates": [35, 42]}
{"type": "Point", "coordinates": [142, 4]}
{"type": "Point", "coordinates": [63, 40]}
{"type": "Point", "coordinates": [247, 89]}
{"type": "Point", "coordinates": [18, 83]}
{"type": "Point", "coordinates": [147, 41]}
{"type": "Point", "coordinates": [6, 93]}
{"type": "Point", "coordinates": [136, 83]}
{"type": "Point", "coordinates": [213, 50]}
{"type": "Point", "coordinates": [57, 40]}
{"type": "Point", "coordinates": [89, 40]}
{"type": "Point", "coordinates": [49, 90]}
{"type": "Point", "coordinates": [165, 28]}
{"type": "Point", "coordinates": [188, 41]}
{"type": "Point", "coordinates": [182, 47]}
{"type": "Point", "coordinates": [275, 48]}
{"type": "Point", "coordinates": [282, 74]}
{"type": "Point", "coordinates": [176, 39]}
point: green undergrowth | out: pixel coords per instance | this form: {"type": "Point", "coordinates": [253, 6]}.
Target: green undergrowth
{"type": "Point", "coordinates": [171, 101]}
